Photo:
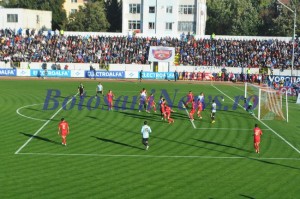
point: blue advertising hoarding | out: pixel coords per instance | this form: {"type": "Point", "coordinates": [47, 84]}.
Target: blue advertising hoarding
{"type": "Point", "coordinates": [8, 72]}
{"type": "Point", "coordinates": [105, 74]}
{"type": "Point", "coordinates": [277, 78]}
{"type": "Point", "coordinates": [50, 73]}
{"type": "Point", "coordinates": [158, 75]}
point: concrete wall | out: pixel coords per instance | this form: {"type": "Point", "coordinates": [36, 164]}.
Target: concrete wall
{"type": "Point", "coordinates": [27, 19]}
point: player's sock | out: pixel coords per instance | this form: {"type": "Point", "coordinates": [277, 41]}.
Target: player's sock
{"type": "Point", "coordinates": [191, 116]}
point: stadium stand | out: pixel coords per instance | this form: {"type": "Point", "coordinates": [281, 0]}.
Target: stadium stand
{"type": "Point", "coordinates": [38, 47]}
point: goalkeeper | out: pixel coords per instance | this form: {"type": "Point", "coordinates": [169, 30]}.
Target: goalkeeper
{"type": "Point", "coordinates": [248, 106]}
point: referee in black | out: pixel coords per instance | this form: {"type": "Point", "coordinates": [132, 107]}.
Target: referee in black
{"type": "Point", "coordinates": [81, 90]}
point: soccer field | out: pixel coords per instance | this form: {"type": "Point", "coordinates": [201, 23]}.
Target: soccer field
{"type": "Point", "coordinates": [105, 158]}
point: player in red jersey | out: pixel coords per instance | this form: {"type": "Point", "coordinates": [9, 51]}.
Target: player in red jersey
{"type": "Point", "coordinates": [151, 103]}
{"type": "Point", "coordinates": [163, 109]}
{"type": "Point", "coordinates": [199, 106]}
{"type": "Point", "coordinates": [190, 98]}
{"type": "Point", "coordinates": [63, 131]}
{"type": "Point", "coordinates": [257, 133]}
{"type": "Point", "coordinates": [193, 110]}
{"type": "Point", "coordinates": [110, 97]}
{"type": "Point", "coordinates": [168, 111]}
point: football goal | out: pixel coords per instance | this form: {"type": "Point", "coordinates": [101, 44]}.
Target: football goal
{"type": "Point", "coordinates": [269, 104]}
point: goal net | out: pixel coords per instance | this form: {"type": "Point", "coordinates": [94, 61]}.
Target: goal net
{"type": "Point", "coordinates": [267, 103]}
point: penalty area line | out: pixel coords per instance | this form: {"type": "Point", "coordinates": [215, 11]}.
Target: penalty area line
{"type": "Point", "coordinates": [273, 131]}
{"type": "Point", "coordinates": [43, 126]}
{"type": "Point", "coordinates": [159, 156]}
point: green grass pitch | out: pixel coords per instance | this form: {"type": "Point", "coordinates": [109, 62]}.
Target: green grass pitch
{"type": "Point", "coordinates": [106, 159]}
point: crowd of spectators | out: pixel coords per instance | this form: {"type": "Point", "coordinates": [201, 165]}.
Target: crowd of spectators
{"type": "Point", "coordinates": [38, 47]}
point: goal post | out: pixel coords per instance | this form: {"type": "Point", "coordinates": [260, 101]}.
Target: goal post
{"type": "Point", "coordinates": [267, 102]}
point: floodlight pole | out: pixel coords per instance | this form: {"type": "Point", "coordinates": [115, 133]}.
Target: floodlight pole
{"type": "Point", "coordinates": [294, 32]}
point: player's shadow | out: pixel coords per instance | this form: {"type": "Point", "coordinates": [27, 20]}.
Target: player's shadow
{"type": "Point", "coordinates": [224, 145]}
{"type": "Point", "coordinates": [53, 119]}
{"type": "Point", "coordinates": [234, 112]}
{"type": "Point", "coordinates": [92, 117]}
{"type": "Point", "coordinates": [34, 109]}
{"type": "Point", "coordinates": [40, 138]}
{"type": "Point", "coordinates": [115, 142]}
{"type": "Point", "coordinates": [245, 196]}
{"type": "Point", "coordinates": [147, 117]}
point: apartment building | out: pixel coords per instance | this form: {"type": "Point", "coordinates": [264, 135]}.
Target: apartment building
{"type": "Point", "coordinates": [171, 17]}
{"type": "Point", "coordinates": [72, 6]}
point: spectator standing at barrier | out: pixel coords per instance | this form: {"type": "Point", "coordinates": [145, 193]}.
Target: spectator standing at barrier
{"type": "Point", "coordinates": [259, 78]}
{"type": "Point", "coordinates": [248, 75]}
{"type": "Point", "coordinates": [175, 75]}
{"type": "Point", "coordinates": [92, 71]}
{"type": "Point", "coordinates": [141, 75]}
{"type": "Point", "coordinates": [45, 73]}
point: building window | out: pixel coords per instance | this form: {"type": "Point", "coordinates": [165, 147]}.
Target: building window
{"type": "Point", "coordinates": [73, 1]}
{"type": "Point", "coordinates": [134, 24]}
{"type": "Point", "coordinates": [152, 9]}
{"type": "Point", "coordinates": [186, 26]}
{"type": "Point", "coordinates": [12, 18]}
{"type": "Point", "coordinates": [168, 26]}
{"type": "Point", "coordinates": [187, 9]}
{"type": "Point", "coordinates": [73, 11]}
{"type": "Point", "coordinates": [151, 25]}
{"type": "Point", "coordinates": [135, 8]}
{"type": "Point", "coordinates": [169, 9]}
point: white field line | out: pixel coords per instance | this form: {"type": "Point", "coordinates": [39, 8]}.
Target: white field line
{"type": "Point", "coordinates": [231, 129]}
{"type": "Point", "coordinates": [18, 112]}
{"type": "Point", "coordinates": [282, 138]}
{"type": "Point", "coordinates": [45, 124]}
{"type": "Point", "coordinates": [159, 156]}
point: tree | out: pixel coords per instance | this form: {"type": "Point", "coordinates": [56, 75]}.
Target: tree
{"type": "Point", "coordinates": [91, 18]}
{"type": "Point", "coordinates": [283, 24]}
{"type": "Point", "coordinates": [232, 17]}
{"type": "Point", "coordinates": [113, 9]}
{"type": "Point", "coordinates": [218, 20]}
{"type": "Point", "coordinates": [245, 18]}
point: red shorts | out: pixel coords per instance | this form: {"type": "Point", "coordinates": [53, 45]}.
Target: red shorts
{"type": "Point", "coordinates": [64, 133]}
{"type": "Point", "coordinates": [192, 112]}
{"type": "Point", "coordinates": [256, 140]}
